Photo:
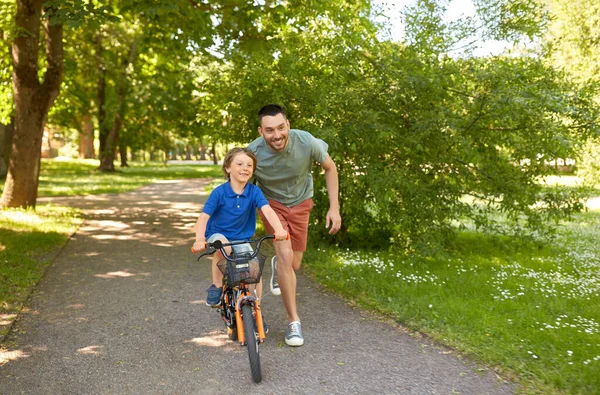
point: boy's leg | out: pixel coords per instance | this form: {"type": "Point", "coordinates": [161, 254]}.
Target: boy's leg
{"type": "Point", "coordinates": [259, 289]}
{"type": "Point", "coordinates": [217, 276]}
{"type": "Point", "coordinates": [213, 297]}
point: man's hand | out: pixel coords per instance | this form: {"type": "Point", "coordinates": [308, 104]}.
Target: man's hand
{"type": "Point", "coordinates": [333, 217]}
{"type": "Point", "coordinates": [199, 245]}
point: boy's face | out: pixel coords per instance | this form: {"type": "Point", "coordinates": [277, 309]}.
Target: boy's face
{"type": "Point", "coordinates": [275, 131]}
{"type": "Point", "coordinates": [241, 168]}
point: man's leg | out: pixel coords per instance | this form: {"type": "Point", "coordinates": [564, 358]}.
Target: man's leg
{"type": "Point", "coordinates": [297, 260]}
{"type": "Point", "coordinates": [286, 277]}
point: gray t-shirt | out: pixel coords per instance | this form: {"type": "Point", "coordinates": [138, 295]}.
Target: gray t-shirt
{"type": "Point", "coordinates": [286, 176]}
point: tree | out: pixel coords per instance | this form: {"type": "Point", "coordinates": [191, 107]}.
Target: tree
{"type": "Point", "coordinates": [414, 131]}
{"type": "Point", "coordinates": [32, 97]}
{"type": "Point", "coordinates": [574, 42]}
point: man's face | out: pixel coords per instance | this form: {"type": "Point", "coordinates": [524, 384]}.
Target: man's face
{"type": "Point", "coordinates": [275, 131]}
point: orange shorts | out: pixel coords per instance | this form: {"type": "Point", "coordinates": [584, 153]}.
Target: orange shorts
{"type": "Point", "coordinates": [294, 221]}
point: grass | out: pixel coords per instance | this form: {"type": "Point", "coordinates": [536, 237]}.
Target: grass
{"type": "Point", "coordinates": [28, 241]}
{"type": "Point", "coordinates": [81, 177]}
{"type": "Point", "coordinates": [532, 313]}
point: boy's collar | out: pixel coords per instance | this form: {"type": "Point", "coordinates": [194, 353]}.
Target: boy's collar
{"type": "Point", "coordinates": [231, 192]}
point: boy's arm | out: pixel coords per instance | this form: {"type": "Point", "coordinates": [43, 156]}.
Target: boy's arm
{"type": "Point", "coordinates": [331, 179]}
{"type": "Point", "coordinates": [271, 216]}
{"type": "Point", "coordinates": [200, 243]}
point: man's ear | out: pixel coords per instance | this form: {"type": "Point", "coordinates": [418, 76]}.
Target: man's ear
{"type": "Point", "coordinates": [260, 131]}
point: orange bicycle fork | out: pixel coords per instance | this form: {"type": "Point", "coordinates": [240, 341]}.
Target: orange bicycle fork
{"type": "Point", "coordinates": [258, 317]}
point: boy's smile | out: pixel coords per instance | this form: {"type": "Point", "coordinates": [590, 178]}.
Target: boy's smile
{"type": "Point", "coordinates": [241, 168]}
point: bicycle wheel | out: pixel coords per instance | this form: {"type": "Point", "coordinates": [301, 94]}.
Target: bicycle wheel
{"type": "Point", "coordinates": [251, 342]}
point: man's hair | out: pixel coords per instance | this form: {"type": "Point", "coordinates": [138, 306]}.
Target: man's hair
{"type": "Point", "coordinates": [232, 153]}
{"type": "Point", "coordinates": [270, 110]}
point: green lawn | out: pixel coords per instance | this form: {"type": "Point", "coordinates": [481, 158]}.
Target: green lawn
{"type": "Point", "coordinates": [532, 313]}
{"type": "Point", "coordinates": [80, 177]}
{"type": "Point", "coordinates": [28, 241]}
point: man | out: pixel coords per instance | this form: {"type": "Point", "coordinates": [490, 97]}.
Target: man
{"type": "Point", "coordinates": [285, 158]}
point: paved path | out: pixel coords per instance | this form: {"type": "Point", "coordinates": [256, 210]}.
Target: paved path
{"type": "Point", "coordinates": [121, 311]}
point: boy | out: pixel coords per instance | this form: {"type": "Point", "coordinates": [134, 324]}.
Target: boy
{"type": "Point", "coordinates": [230, 214]}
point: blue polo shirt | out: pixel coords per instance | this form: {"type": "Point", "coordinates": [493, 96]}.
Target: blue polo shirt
{"type": "Point", "coordinates": [232, 214]}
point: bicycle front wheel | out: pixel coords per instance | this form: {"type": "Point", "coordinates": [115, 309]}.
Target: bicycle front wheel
{"type": "Point", "coordinates": [251, 342]}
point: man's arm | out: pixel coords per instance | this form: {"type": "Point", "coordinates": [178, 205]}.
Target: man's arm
{"type": "Point", "coordinates": [331, 179]}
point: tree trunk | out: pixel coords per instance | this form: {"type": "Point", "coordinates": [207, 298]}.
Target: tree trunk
{"type": "Point", "coordinates": [202, 152]}
{"type": "Point", "coordinates": [32, 100]}
{"type": "Point", "coordinates": [214, 154]}
{"type": "Point", "coordinates": [6, 133]}
{"type": "Point", "coordinates": [86, 138]}
{"type": "Point", "coordinates": [107, 157]}
{"type": "Point", "coordinates": [101, 93]}
{"type": "Point", "coordinates": [123, 155]}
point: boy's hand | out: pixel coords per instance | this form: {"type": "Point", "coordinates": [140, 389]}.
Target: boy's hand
{"type": "Point", "coordinates": [199, 245]}
{"type": "Point", "coordinates": [281, 235]}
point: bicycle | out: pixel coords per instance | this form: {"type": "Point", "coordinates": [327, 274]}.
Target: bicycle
{"type": "Point", "coordinates": [239, 307]}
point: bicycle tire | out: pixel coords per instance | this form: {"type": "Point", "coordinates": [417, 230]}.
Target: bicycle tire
{"type": "Point", "coordinates": [251, 342]}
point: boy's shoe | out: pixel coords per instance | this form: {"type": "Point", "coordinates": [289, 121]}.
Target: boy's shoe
{"type": "Point", "coordinates": [214, 296]}
{"type": "Point", "coordinates": [293, 334]}
{"type": "Point", "coordinates": [274, 285]}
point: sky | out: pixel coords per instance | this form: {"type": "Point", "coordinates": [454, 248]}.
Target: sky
{"type": "Point", "coordinates": [456, 9]}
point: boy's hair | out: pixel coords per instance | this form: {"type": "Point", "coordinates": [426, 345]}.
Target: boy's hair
{"type": "Point", "coordinates": [270, 110]}
{"type": "Point", "coordinates": [232, 153]}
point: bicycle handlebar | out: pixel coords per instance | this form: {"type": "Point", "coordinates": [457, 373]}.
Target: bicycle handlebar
{"type": "Point", "coordinates": [218, 245]}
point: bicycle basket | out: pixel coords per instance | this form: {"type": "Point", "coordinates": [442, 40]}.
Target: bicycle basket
{"type": "Point", "coordinates": [242, 269]}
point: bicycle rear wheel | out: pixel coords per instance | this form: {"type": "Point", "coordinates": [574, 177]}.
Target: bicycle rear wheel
{"type": "Point", "coordinates": [251, 342]}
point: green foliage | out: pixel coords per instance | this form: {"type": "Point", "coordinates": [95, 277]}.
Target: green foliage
{"type": "Point", "coordinates": [573, 37]}
{"type": "Point", "coordinates": [424, 143]}
{"type": "Point", "coordinates": [513, 20]}
{"type": "Point", "coordinates": [7, 11]}
{"type": "Point", "coordinates": [589, 166]}
{"type": "Point", "coordinates": [141, 54]}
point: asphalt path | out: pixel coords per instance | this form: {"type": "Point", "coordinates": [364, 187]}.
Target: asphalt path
{"type": "Point", "coordinates": [121, 310]}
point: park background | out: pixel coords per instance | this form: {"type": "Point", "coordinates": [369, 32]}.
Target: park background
{"type": "Point", "coordinates": [466, 146]}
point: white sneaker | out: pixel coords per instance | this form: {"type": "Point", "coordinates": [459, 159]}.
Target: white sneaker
{"type": "Point", "coordinates": [274, 285]}
{"type": "Point", "coordinates": [293, 334]}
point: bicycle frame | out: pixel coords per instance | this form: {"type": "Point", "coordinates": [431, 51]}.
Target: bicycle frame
{"type": "Point", "coordinates": [255, 302]}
